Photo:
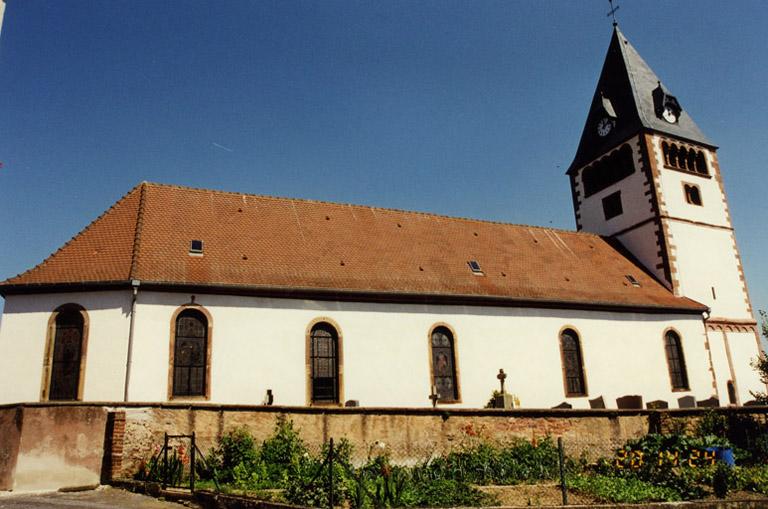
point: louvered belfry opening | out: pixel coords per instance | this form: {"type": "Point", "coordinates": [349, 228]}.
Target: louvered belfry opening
{"type": "Point", "coordinates": [325, 363]}
{"type": "Point", "coordinates": [67, 354]}
{"type": "Point", "coordinates": [190, 352]}
{"type": "Point", "coordinates": [444, 365]}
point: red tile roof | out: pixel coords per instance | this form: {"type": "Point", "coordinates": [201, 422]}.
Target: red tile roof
{"type": "Point", "coordinates": [261, 243]}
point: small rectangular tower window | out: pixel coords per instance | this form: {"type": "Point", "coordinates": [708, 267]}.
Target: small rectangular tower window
{"type": "Point", "coordinates": [612, 205]}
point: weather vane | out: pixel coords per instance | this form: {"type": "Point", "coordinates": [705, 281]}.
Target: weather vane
{"type": "Point", "coordinates": [612, 12]}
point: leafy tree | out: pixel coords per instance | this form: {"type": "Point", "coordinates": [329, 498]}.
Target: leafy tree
{"type": "Point", "coordinates": [761, 363]}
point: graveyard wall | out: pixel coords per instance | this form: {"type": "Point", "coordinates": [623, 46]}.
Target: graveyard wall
{"type": "Point", "coordinates": [50, 446]}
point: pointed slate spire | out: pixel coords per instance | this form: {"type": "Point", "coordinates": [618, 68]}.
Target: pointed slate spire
{"type": "Point", "coordinates": [630, 93]}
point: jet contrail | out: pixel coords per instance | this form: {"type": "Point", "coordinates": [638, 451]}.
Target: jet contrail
{"type": "Point", "coordinates": [222, 147]}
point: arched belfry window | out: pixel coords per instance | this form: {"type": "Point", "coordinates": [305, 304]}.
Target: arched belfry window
{"type": "Point", "coordinates": [676, 361]}
{"type": "Point", "coordinates": [67, 354]}
{"type": "Point", "coordinates": [190, 354]}
{"type": "Point", "coordinates": [573, 364]}
{"type": "Point", "coordinates": [444, 364]}
{"type": "Point", "coordinates": [324, 363]}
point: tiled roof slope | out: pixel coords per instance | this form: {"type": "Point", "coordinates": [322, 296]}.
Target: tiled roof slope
{"type": "Point", "coordinates": [262, 242]}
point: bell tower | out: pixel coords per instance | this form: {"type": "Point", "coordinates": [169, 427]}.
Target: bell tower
{"type": "Point", "coordinates": [646, 176]}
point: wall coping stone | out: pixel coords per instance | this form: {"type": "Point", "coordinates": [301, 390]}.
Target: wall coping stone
{"type": "Point", "coordinates": [445, 413]}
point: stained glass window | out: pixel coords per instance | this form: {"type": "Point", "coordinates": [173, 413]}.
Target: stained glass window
{"type": "Point", "coordinates": [324, 363]}
{"type": "Point", "coordinates": [443, 365]}
{"type": "Point", "coordinates": [676, 361]}
{"type": "Point", "coordinates": [67, 354]}
{"type": "Point", "coordinates": [190, 354]}
{"type": "Point", "coordinates": [573, 365]}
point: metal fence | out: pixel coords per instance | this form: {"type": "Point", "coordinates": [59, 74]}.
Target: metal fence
{"type": "Point", "coordinates": [473, 471]}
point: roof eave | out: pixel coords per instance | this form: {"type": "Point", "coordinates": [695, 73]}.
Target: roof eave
{"type": "Point", "coordinates": [350, 295]}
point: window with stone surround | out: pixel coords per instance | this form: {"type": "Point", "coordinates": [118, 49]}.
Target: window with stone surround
{"type": "Point", "coordinates": [680, 157]}
{"type": "Point", "coordinates": [444, 364]}
{"type": "Point", "coordinates": [324, 363]}
{"type": "Point", "coordinates": [692, 194]}
{"type": "Point", "coordinates": [190, 354]}
{"type": "Point", "coordinates": [66, 354]}
{"type": "Point", "coordinates": [676, 361]}
{"type": "Point", "coordinates": [573, 363]}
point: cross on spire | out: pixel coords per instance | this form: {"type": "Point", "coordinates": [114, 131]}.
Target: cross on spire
{"type": "Point", "coordinates": [612, 12]}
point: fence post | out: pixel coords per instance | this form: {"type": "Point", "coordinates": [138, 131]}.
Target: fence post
{"type": "Point", "coordinates": [165, 460]}
{"type": "Point", "coordinates": [192, 464]}
{"type": "Point", "coordinates": [563, 487]}
{"type": "Point", "coordinates": [330, 474]}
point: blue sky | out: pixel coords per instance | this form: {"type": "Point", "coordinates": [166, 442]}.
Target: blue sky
{"type": "Point", "coordinates": [460, 108]}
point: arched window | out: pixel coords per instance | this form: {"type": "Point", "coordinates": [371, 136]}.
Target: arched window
{"type": "Point", "coordinates": [682, 157]}
{"type": "Point", "coordinates": [692, 194]}
{"type": "Point", "coordinates": [673, 155]}
{"type": "Point", "coordinates": [190, 354]}
{"type": "Point", "coordinates": [701, 163]}
{"type": "Point", "coordinates": [665, 150]}
{"type": "Point", "coordinates": [573, 364]}
{"type": "Point", "coordinates": [66, 359]}
{"type": "Point", "coordinates": [444, 364]}
{"type": "Point", "coordinates": [675, 361]}
{"type": "Point", "coordinates": [324, 363]}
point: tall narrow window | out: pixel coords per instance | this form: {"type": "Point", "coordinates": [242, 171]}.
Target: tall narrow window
{"type": "Point", "coordinates": [67, 355]}
{"type": "Point", "coordinates": [324, 361]}
{"type": "Point", "coordinates": [731, 392]}
{"type": "Point", "coordinates": [190, 354]}
{"type": "Point", "coordinates": [573, 365]}
{"type": "Point", "coordinates": [676, 361]}
{"type": "Point", "coordinates": [444, 365]}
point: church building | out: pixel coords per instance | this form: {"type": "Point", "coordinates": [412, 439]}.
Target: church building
{"type": "Point", "coordinates": [193, 295]}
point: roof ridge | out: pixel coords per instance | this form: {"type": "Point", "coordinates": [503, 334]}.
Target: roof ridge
{"type": "Point", "coordinates": [137, 231]}
{"type": "Point", "coordinates": [387, 209]}
{"type": "Point", "coordinates": [77, 235]}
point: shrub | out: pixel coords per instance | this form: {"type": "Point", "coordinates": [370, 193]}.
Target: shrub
{"type": "Point", "coordinates": [446, 493]}
{"type": "Point", "coordinates": [237, 450]}
{"type": "Point", "coordinates": [521, 461]}
{"type": "Point", "coordinates": [622, 489]}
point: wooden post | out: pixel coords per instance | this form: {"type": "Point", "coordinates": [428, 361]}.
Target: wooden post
{"type": "Point", "coordinates": [165, 460]}
{"type": "Point", "coordinates": [563, 487]}
{"type": "Point", "coordinates": [330, 474]}
{"type": "Point", "coordinates": [192, 464]}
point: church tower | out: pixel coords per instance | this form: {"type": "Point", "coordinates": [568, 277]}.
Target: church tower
{"type": "Point", "coordinates": [646, 176]}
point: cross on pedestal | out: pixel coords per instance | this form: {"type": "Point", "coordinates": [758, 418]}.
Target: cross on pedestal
{"type": "Point", "coordinates": [434, 396]}
{"type": "Point", "coordinates": [501, 376]}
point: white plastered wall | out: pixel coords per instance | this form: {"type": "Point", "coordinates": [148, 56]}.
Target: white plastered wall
{"type": "Point", "coordinates": [636, 204]}
{"type": "Point", "coordinates": [706, 258]}
{"type": "Point", "coordinates": [23, 336]}
{"type": "Point", "coordinates": [259, 344]}
{"type": "Point", "coordinates": [744, 350]}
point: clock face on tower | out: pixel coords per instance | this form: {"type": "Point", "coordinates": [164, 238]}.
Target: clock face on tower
{"type": "Point", "coordinates": [604, 126]}
{"type": "Point", "coordinates": [669, 114]}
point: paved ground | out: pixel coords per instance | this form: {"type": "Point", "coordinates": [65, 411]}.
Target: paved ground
{"type": "Point", "coordinates": [102, 498]}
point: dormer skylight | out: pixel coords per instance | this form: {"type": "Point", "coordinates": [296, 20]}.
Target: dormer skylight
{"type": "Point", "coordinates": [196, 247]}
{"type": "Point", "coordinates": [632, 280]}
{"type": "Point", "coordinates": [474, 266]}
